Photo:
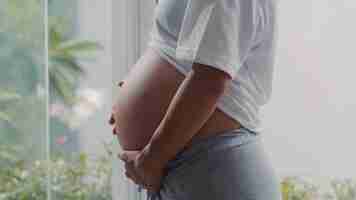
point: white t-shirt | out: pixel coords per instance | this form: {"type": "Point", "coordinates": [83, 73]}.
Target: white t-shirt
{"type": "Point", "coordinates": [235, 36]}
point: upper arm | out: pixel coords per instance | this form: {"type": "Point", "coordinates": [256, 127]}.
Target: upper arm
{"type": "Point", "coordinates": [210, 35]}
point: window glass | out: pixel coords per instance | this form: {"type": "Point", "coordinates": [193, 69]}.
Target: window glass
{"type": "Point", "coordinates": [23, 97]}
{"type": "Point", "coordinates": [80, 99]}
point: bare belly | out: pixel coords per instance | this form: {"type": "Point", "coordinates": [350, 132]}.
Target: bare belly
{"type": "Point", "coordinates": [144, 98]}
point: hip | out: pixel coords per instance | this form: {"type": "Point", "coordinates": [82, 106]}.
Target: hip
{"type": "Point", "coordinates": [229, 166]}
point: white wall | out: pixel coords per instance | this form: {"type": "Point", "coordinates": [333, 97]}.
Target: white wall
{"type": "Point", "coordinates": [310, 120]}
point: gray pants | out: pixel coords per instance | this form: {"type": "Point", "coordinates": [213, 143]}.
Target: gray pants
{"type": "Point", "coordinates": [229, 166]}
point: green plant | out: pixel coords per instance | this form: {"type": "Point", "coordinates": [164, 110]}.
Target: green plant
{"type": "Point", "coordinates": [318, 188]}
{"type": "Point", "coordinates": [64, 69]}
{"type": "Point", "coordinates": [22, 65]}
{"type": "Point", "coordinates": [296, 188]}
{"type": "Point", "coordinates": [79, 177]}
{"type": "Point", "coordinates": [23, 107]}
{"type": "Point", "coordinates": [22, 50]}
{"type": "Point", "coordinates": [344, 189]}
{"type": "Point", "coordinates": [6, 98]}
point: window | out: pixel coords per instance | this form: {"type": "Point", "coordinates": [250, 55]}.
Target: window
{"type": "Point", "coordinates": [63, 149]}
{"type": "Point", "coordinates": [23, 96]}
{"type": "Point", "coordinates": [81, 140]}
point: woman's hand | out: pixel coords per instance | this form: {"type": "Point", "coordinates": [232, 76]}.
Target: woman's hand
{"type": "Point", "coordinates": [142, 169]}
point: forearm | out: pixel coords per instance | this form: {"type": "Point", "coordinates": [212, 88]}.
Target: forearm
{"type": "Point", "coordinates": [190, 108]}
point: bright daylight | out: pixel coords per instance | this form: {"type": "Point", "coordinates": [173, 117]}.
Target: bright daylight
{"type": "Point", "coordinates": [177, 100]}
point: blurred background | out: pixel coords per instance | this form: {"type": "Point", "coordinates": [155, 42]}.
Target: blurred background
{"type": "Point", "coordinates": [64, 149]}
{"type": "Point", "coordinates": [70, 158]}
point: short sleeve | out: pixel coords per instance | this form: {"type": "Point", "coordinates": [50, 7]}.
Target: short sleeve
{"type": "Point", "coordinates": [209, 34]}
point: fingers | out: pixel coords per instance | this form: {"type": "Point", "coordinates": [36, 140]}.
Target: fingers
{"type": "Point", "coordinates": [123, 156]}
{"type": "Point", "coordinates": [128, 175]}
{"type": "Point", "coordinates": [127, 156]}
{"type": "Point", "coordinates": [130, 171]}
{"type": "Point", "coordinates": [132, 177]}
{"type": "Point", "coordinates": [151, 182]}
{"type": "Point", "coordinates": [152, 188]}
{"type": "Point", "coordinates": [132, 174]}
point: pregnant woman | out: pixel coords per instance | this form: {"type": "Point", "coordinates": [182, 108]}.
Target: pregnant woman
{"type": "Point", "coordinates": [187, 113]}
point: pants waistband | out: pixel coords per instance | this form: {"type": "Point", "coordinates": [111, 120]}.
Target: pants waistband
{"type": "Point", "coordinates": [207, 146]}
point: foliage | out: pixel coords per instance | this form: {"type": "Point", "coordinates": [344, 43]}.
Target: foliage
{"type": "Point", "coordinates": [64, 69]}
{"type": "Point", "coordinates": [79, 177]}
{"type": "Point", "coordinates": [311, 188]}
{"type": "Point", "coordinates": [295, 188]}
{"type": "Point", "coordinates": [23, 95]}
{"type": "Point", "coordinates": [23, 73]}
{"type": "Point", "coordinates": [6, 98]}
{"type": "Point", "coordinates": [22, 53]}
{"type": "Point", "coordinates": [29, 117]}
{"type": "Point", "coordinates": [344, 189]}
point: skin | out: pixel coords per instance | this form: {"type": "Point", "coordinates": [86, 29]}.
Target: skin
{"type": "Point", "coordinates": [198, 92]}
{"type": "Point", "coordinates": [152, 81]}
